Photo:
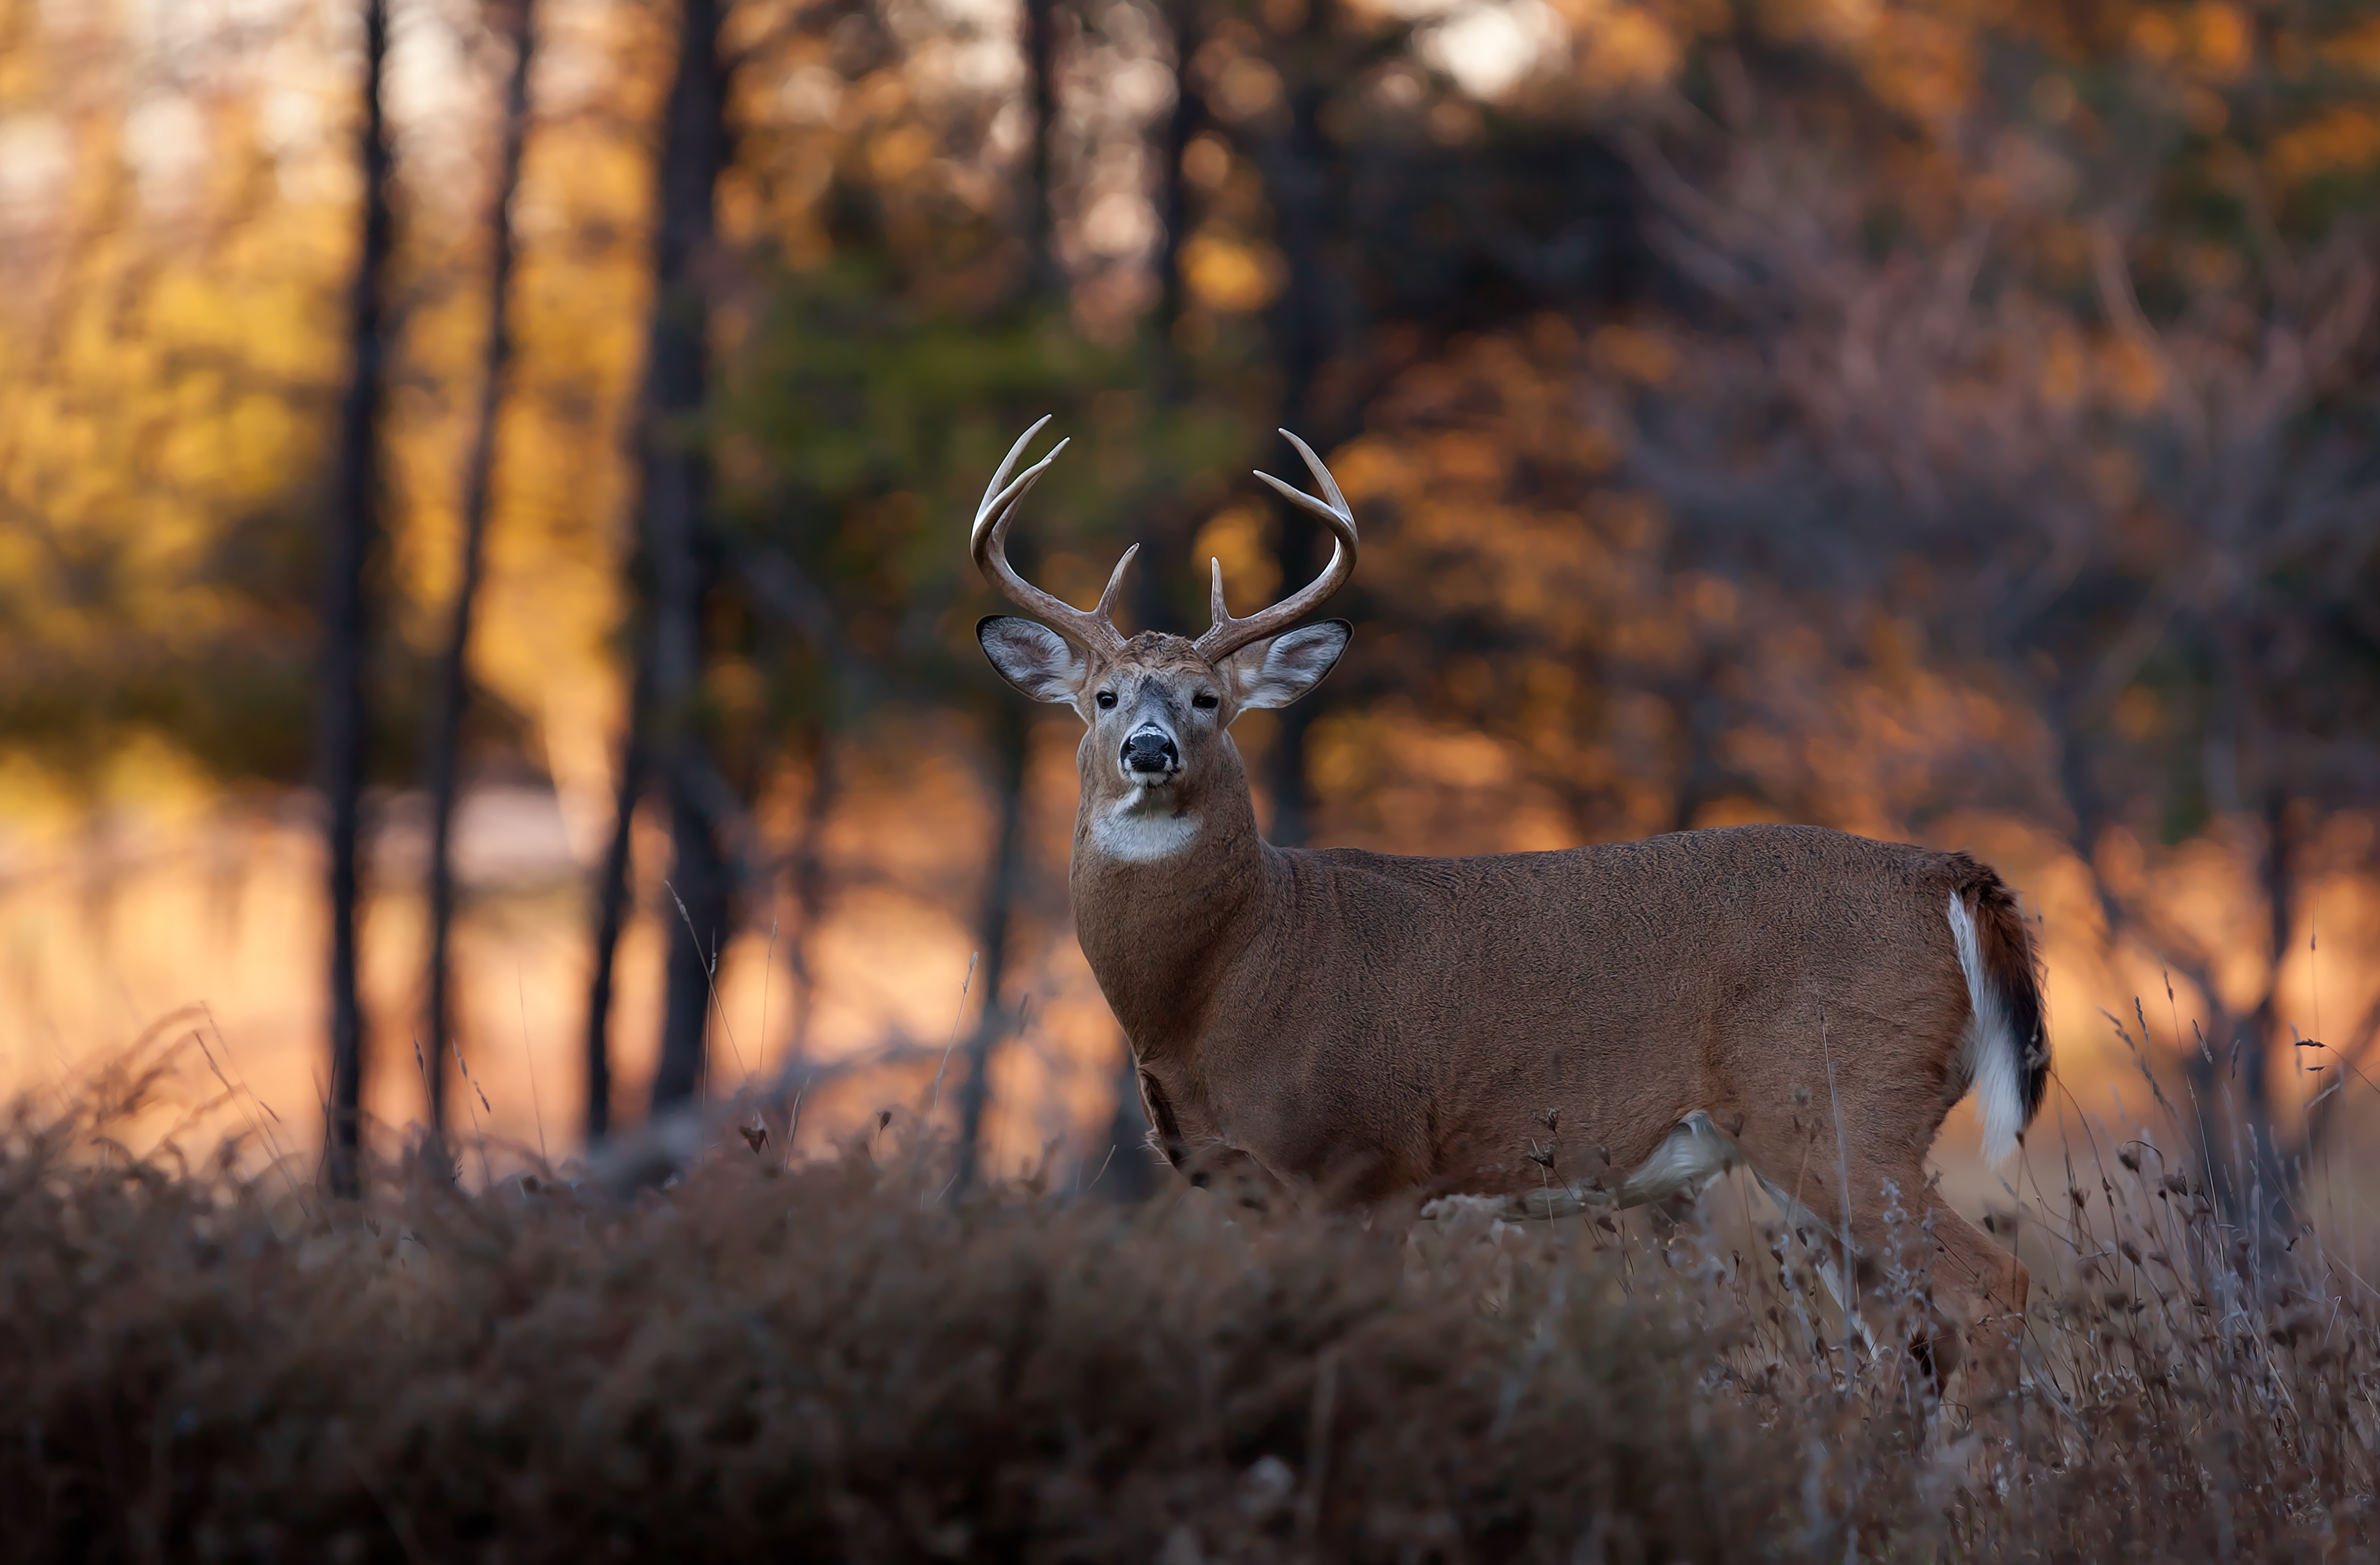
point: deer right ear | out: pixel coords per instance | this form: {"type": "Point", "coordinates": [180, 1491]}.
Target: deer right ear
{"type": "Point", "coordinates": [1035, 658]}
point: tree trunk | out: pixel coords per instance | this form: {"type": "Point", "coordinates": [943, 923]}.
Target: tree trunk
{"type": "Point", "coordinates": [1041, 278]}
{"type": "Point", "coordinates": [1695, 707]}
{"type": "Point", "coordinates": [611, 912]}
{"type": "Point", "coordinates": [1166, 574]}
{"type": "Point", "coordinates": [1011, 729]}
{"type": "Point", "coordinates": [345, 734]}
{"type": "Point", "coordinates": [1012, 740]}
{"type": "Point", "coordinates": [1130, 1173]}
{"type": "Point", "coordinates": [2242, 732]}
{"type": "Point", "coordinates": [2268, 1030]}
{"type": "Point", "coordinates": [1182, 127]}
{"type": "Point", "coordinates": [699, 897]}
{"type": "Point", "coordinates": [453, 685]}
{"type": "Point", "coordinates": [1298, 172]}
{"type": "Point", "coordinates": [810, 887]}
{"type": "Point", "coordinates": [675, 496]}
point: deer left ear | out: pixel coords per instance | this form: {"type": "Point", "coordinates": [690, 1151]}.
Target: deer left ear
{"type": "Point", "coordinates": [1275, 673]}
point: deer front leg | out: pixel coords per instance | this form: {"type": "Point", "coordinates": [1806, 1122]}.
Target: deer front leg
{"type": "Point", "coordinates": [1208, 1161]}
{"type": "Point", "coordinates": [1238, 1179]}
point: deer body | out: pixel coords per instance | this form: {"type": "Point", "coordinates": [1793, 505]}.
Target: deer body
{"type": "Point", "coordinates": [1606, 1025]}
{"type": "Point", "coordinates": [1379, 1023]}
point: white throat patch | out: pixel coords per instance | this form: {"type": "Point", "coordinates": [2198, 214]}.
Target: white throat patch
{"type": "Point", "coordinates": [1143, 827]}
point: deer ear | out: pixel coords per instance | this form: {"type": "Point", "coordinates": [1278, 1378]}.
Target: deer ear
{"type": "Point", "coordinates": [1275, 673]}
{"type": "Point", "coordinates": [1035, 658]}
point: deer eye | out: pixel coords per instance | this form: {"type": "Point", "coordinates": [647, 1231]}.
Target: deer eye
{"type": "Point", "coordinates": [1204, 700]}
{"type": "Point", "coordinates": [1106, 699]}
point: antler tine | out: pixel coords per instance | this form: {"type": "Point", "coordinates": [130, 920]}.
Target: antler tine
{"type": "Point", "coordinates": [1227, 634]}
{"type": "Point", "coordinates": [996, 498]}
{"type": "Point", "coordinates": [1329, 486]}
{"type": "Point", "coordinates": [988, 543]}
{"type": "Point", "coordinates": [1106, 610]}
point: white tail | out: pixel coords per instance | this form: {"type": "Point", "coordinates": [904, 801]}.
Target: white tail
{"type": "Point", "coordinates": [1993, 1054]}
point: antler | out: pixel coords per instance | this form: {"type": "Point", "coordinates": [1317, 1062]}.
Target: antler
{"type": "Point", "coordinates": [1093, 631]}
{"type": "Point", "coordinates": [1227, 634]}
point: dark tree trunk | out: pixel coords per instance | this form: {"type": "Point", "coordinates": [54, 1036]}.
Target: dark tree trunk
{"type": "Point", "coordinates": [2242, 727]}
{"type": "Point", "coordinates": [611, 912]}
{"type": "Point", "coordinates": [1012, 731]}
{"type": "Point", "coordinates": [1131, 1172]}
{"type": "Point", "coordinates": [454, 684]}
{"type": "Point", "coordinates": [810, 887]}
{"type": "Point", "coordinates": [1041, 96]}
{"type": "Point", "coordinates": [676, 483]}
{"type": "Point", "coordinates": [1011, 742]}
{"type": "Point", "coordinates": [1297, 170]}
{"type": "Point", "coordinates": [2268, 1031]}
{"type": "Point", "coordinates": [345, 733]}
{"type": "Point", "coordinates": [1165, 582]}
{"type": "Point", "coordinates": [700, 896]}
{"type": "Point", "coordinates": [1181, 127]}
{"type": "Point", "coordinates": [1700, 718]}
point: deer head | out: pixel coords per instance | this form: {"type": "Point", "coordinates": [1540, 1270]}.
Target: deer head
{"type": "Point", "coordinates": [1157, 708]}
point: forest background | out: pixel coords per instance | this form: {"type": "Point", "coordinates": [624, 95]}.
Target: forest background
{"type": "Point", "coordinates": [488, 477]}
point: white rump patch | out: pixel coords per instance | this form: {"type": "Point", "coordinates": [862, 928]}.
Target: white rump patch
{"type": "Point", "coordinates": [1694, 1153]}
{"type": "Point", "coordinates": [1143, 829]}
{"type": "Point", "coordinates": [1989, 1052]}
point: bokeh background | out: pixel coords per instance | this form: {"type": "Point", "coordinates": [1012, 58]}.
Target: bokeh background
{"type": "Point", "coordinates": [501, 467]}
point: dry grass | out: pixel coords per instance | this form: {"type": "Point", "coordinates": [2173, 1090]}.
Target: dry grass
{"type": "Point", "coordinates": [829, 1360]}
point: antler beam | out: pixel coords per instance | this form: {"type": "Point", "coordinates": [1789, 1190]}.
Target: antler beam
{"type": "Point", "coordinates": [1227, 634]}
{"type": "Point", "coordinates": [1093, 630]}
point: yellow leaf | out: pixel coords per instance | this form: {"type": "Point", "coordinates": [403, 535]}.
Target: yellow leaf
{"type": "Point", "coordinates": [1229, 275]}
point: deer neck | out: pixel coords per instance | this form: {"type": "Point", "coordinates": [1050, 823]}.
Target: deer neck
{"type": "Point", "coordinates": [1167, 892]}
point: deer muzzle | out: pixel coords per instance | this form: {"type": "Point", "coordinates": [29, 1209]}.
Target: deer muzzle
{"type": "Point", "coordinates": [1150, 755]}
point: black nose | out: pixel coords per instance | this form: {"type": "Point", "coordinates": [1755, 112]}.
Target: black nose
{"type": "Point", "coordinates": [1150, 751]}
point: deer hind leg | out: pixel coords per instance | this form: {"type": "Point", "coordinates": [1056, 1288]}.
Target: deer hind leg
{"type": "Point", "coordinates": [1821, 1238]}
{"type": "Point", "coordinates": [1980, 1289]}
{"type": "Point", "coordinates": [1964, 1295]}
{"type": "Point", "coordinates": [1960, 1297]}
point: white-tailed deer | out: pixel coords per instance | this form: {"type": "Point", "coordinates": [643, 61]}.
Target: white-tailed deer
{"type": "Point", "coordinates": [1615, 1023]}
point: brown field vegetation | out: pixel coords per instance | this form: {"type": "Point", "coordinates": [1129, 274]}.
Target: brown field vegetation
{"type": "Point", "coordinates": [836, 1359]}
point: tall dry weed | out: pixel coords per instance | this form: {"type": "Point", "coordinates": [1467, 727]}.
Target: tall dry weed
{"type": "Point", "coordinates": [831, 1361]}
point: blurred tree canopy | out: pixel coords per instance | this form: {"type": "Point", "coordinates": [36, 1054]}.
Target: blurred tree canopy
{"type": "Point", "coordinates": [1930, 418]}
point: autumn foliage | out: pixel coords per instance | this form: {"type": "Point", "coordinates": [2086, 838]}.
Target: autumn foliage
{"type": "Point", "coordinates": [1948, 424]}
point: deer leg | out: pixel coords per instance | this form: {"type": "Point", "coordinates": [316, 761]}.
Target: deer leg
{"type": "Point", "coordinates": [1243, 1183]}
{"type": "Point", "coordinates": [1963, 1295]}
{"type": "Point", "coordinates": [1913, 1274]}
{"type": "Point", "coordinates": [1980, 1289]}
{"type": "Point", "coordinates": [1822, 1237]}
{"type": "Point", "coordinates": [1208, 1161]}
